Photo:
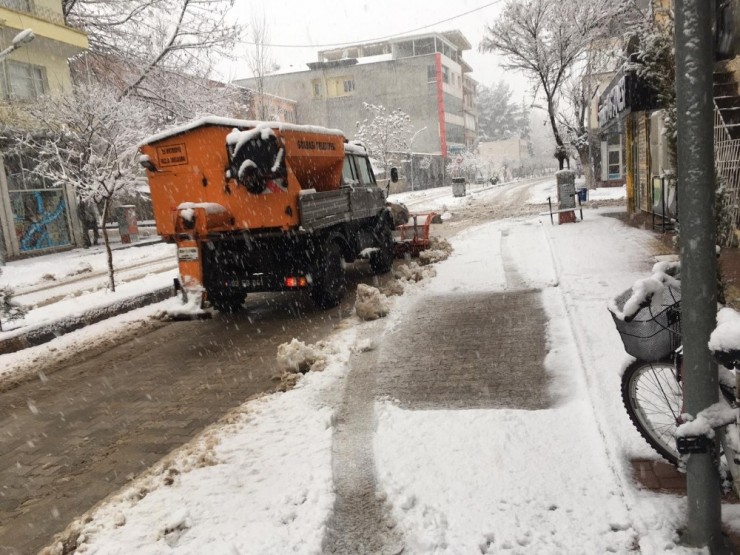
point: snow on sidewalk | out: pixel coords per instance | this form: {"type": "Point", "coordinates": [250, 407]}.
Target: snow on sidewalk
{"type": "Point", "coordinates": [555, 480]}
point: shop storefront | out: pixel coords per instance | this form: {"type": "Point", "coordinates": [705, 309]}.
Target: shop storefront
{"type": "Point", "coordinates": [625, 138]}
{"type": "Point", "coordinates": [35, 213]}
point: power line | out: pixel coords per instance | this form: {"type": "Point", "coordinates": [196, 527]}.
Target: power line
{"type": "Point", "coordinates": [395, 35]}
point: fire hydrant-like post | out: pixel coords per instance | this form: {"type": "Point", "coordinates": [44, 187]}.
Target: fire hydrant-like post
{"type": "Point", "coordinates": [694, 103]}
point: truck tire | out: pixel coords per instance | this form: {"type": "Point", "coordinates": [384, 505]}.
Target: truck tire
{"type": "Point", "coordinates": [330, 283]}
{"type": "Point", "coordinates": [381, 261]}
{"type": "Point", "coordinates": [228, 302]}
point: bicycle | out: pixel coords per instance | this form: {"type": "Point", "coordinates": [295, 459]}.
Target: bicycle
{"type": "Point", "coordinates": [648, 318]}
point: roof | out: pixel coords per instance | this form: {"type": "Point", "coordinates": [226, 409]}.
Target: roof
{"type": "Point", "coordinates": [235, 123]}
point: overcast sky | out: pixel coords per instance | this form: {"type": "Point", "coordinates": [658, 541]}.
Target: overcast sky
{"type": "Point", "coordinates": [320, 22]}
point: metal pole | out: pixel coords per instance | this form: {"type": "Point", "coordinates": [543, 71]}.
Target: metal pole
{"type": "Point", "coordinates": [694, 63]}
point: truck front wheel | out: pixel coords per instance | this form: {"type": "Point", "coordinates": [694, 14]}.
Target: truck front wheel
{"type": "Point", "coordinates": [330, 283]}
{"type": "Point", "coordinates": [381, 260]}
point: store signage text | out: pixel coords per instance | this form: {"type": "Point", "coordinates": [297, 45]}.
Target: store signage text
{"type": "Point", "coordinates": [614, 103]}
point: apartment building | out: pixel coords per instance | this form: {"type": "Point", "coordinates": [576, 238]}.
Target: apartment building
{"type": "Point", "coordinates": [424, 75]}
{"type": "Point", "coordinates": [35, 216]}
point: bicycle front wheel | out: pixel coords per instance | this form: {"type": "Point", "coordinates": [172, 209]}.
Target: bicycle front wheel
{"type": "Point", "coordinates": [653, 397]}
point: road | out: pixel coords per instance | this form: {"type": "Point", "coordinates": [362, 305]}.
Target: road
{"type": "Point", "coordinates": [88, 427]}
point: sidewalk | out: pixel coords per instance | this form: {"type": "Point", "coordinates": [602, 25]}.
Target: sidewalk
{"type": "Point", "coordinates": [68, 290]}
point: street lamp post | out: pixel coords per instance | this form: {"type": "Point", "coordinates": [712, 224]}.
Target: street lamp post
{"type": "Point", "coordinates": [20, 40]}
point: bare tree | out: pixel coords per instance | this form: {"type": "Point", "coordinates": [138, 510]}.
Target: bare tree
{"type": "Point", "coordinates": [260, 62]}
{"type": "Point", "coordinates": [88, 144]}
{"type": "Point", "coordinates": [544, 39]}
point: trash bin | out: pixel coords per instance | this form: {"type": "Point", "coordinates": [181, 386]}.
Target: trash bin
{"type": "Point", "coordinates": [127, 225]}
{"type": "Point", "coordinates": [582, 194]}
{"type": "Point", "coordinates": [458, 186]}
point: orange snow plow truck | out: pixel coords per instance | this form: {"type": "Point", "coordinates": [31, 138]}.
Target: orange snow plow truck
{"type": "Point", "coordinates": [265, 206]}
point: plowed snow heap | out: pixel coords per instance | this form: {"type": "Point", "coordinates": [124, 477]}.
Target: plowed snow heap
{"type": "Point", "coordinates": [265, 206]}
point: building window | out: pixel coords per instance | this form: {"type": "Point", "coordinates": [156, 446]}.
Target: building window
{"type": "Point", "coordinates": [422, 47]}
{"type": "Point", "coordinates": [340, 86]}
{"type": "Point", "coordinates": [431, 73]}
{"type": "Point", "coordinates": [445, 74]}
{"type": "Point", "coordinates": [22, 81]}
{"type": "Point", "coordinates": [612, 158]}
{"type": "Point", "coordinates": [316, 88]}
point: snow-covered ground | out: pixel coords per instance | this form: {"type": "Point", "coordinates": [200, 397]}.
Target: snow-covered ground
{"type": "Point", "coordinates": [556, 480]}
{"type": "Point", "coordinates": [67, 284]}
{"type": "Point", "coordinates": [542, 191]}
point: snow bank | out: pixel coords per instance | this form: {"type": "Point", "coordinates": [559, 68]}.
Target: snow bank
{"type": "Point", "coordinates": [371, 304]}
{"type": "Point", "coordinates": [439, 249]}
{"type": "Point", "coordinates": [296, 356]}
{"type": "Point", "coordinates": [177, 308]}
{"type": "Point", "coordinates": [413, 273]}
{"type": "Point", "coordinates": [726, 336]}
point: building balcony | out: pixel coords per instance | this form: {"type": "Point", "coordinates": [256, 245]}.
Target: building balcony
{"type": "Point", "coordinates": [16, 15]}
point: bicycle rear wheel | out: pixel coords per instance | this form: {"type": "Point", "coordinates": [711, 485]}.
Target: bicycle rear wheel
{"type": "Point", "coordinates": [653, 397]}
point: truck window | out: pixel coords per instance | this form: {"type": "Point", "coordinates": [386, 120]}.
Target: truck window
{"type": "Point", "coordinates": [348, 172]}
{"type": "Point", "coordinates": [365, 172]}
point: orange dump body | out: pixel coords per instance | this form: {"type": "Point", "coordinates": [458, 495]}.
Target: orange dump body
{"type": "Point", "coordinates": [190, 167]}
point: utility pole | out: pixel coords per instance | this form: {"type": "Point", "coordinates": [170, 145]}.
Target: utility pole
{"type": "Point", "coordinates": [696, 184]}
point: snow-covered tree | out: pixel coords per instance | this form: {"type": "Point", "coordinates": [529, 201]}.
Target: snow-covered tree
{"type": "Point", "coordinates": [153, 36]}
{"type": "Point", "coordinates": [544, 39]}
{"type": "Point", "coordinates": [384, 132]}
{"type": "Point", "coordinates": [498, 117]}
{"type": "Point", "coordinates": [88, 144]}
{"type": "Point", "coordinates": [652, 58]}
{"type": "Point", "coordinates": [9, 309]}
{"type": "Point", "coordinates": [466, 164]}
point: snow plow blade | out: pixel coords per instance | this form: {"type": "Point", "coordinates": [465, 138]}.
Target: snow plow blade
{"type": "Point", "coordinates": [413, 237]}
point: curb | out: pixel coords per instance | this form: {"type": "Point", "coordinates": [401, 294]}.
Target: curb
{"type": "Point", "coordinates": [46, 332]}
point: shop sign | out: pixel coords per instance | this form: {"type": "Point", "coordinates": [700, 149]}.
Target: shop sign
{"type": "Point", "coordinates": [614, 103]}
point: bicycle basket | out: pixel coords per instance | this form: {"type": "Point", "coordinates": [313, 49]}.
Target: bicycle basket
{"type": "Point", "coordinates": [654, 333]}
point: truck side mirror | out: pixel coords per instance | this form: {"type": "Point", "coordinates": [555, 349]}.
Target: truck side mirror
{"type": "Point", "coordinates": [394, 175]}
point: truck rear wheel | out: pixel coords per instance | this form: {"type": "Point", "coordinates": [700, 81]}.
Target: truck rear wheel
{"type": "Point", "coordinates": [330, 283]}
{"type": "Point", "coordinates": [381, 260]}
{"type": "Point", "coordinates": [228, 302]}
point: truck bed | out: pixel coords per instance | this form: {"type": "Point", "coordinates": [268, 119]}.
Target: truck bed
{"type": "Point", "coordinates": [324, 209]}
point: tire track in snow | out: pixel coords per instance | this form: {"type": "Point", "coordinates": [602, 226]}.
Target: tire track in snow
{"type": "Point", "coordinates": [361, 521]}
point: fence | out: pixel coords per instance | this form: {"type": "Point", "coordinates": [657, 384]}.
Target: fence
{"type": "Point", "coordinates": [727, 162]}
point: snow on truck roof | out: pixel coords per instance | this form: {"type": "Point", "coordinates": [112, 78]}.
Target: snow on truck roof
{"type": "Point", "coordinates": [236, 123]}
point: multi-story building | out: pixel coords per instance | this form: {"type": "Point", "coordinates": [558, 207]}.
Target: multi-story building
{"type": "Point", "coordinates": [35, 215]}
{"type": "Point", "coordinates": [423, 75]}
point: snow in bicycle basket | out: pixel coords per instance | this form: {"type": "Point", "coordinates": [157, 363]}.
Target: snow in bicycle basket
{"type": "Point", "coordinates": [653, 332]}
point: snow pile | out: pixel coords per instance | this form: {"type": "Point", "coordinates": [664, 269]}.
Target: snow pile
{"type": "Point", "coordinates": [237, 139]}
{"type": "Point", "coordinates": [187, 209]}
{"type": "Point", "coordinates": [714, 416]}
{"type": "Point", "coordinates": [82, 267]}
{"type": "Point", "coordinates": [296, 356]}
{"type": "Point", "coordinates": [392, 288]}
{"type": "Point", "coordinates": [439, 249]}
{"type": "Point", "coordinates": [371, 304]}
{"type": "Point", "coordinates": [645, 292]}
{"type": "Point", "coordinates": [726, 336]}
{"type": "Point", "coordinates": [413, 273]}
{"type": "Point", "coordinates": [176, 307]}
